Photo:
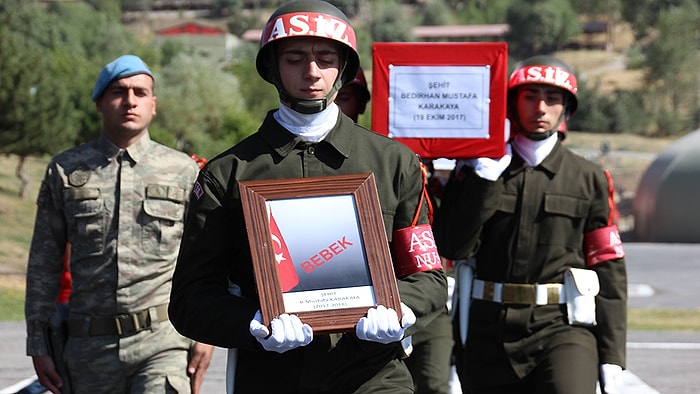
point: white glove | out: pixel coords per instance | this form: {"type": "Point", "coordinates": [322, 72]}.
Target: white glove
{"type": "Point", "coordinates": [450, 293]}
{"type": "Point", "coordinates": [487, 168]}
{"type": "Point", "coordinates": [288, 332]}
{"type": "Point", "coordinates": [382, 324]}
{"type": "Point", "coordinates": [611, 379]}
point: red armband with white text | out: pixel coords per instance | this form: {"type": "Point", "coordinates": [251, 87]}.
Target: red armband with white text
{"type": "Point", "coordinates": [602, 245]}
{"type": "Point", "coordinates": [413, 248]}
{"type": "Point", "coordinates": [605, 243]}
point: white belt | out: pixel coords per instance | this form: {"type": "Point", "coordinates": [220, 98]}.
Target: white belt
{"type": "Point", "coordinates": [518, 293]}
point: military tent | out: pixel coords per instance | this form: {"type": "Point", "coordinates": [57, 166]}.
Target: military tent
{"type": "Point", "coordinates": [666, 204]}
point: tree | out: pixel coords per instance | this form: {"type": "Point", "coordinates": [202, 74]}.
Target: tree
{"type": "Point", "coordinates": [598, 8]}
{"type": "Point", "coordinates": [258, 95]}
{"type": "Point", "coordinates": [672, 60]}
{"type": "Point", "coordinates": [435, 13]}
{"type": "Point", "coordinates": [643, 14]}
{"type": "Point", "coordinates": [481, 11]}
{"type": "Point", "coordinates": [49, 57]}
{"type": "Point", "coordinates": [194, 98]}
{"type": "Point", "coordinates": [390, 23]}
{"type": "Point", "coordinates": [38, 116]}
{"type": "Point", "coordinates": [540, 26]}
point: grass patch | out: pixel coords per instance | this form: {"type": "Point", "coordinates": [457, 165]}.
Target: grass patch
{"type": "Point", "coordinates": [663, 320]}
{"type": "Point", "coordinates": [11, 304]}
{"type": "Point", "coordinates": [17, 214]}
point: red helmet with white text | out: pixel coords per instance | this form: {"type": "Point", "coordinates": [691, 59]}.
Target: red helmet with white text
{"type": "Point", "coordinates": [307, 18]}
{"type": "Point", "coordinates": [545, 70]}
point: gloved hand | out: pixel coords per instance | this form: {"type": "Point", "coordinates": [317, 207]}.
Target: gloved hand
{"type": "Point", "coordinates": [382, 324]}
{"type": "Point", "coordinates": [450, 292]}
{"type": "Point", "coordinates": [288, 332]}
{"type": "Point", "coordinates": [487, 168]}
{"type": "Point", "coordinates": [611, 379]}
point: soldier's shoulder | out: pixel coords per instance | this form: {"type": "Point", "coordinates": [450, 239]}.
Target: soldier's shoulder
{"type": "Point", "coordinates": [166, 153]}
{"type": "Point", "coordinates": [84, 153]}
{"type": "Point", "coordinates": [381, 140]}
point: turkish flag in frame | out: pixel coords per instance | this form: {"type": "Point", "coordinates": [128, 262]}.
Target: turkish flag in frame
{"type": "Point", "coordinates": [442, 100]}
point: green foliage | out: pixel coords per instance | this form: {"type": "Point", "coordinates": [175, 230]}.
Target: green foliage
{"type": "Point", "coordinates": [669, 123]}
{"type": "Point", "coordinates": [591, 113]}
{"type": "Point", "coordinates": [11, 304]}
{"type": "Point", "coordinates": [17, 217]}
{"type": "Point", "coordinates": [643, 14]}
{"type": "Point", "coordinates": [619, 112]}
{"type": "Point", "coordinates": [481, 11]}
{"type": "Point", "coordinates": [636, 58]}
{"type": "Point", "coordinates": [597, 8]}
{"type": "Point", "coordinates": [169, 49]}
{"type": "Point", "coordinates": [194, 97]}
{"type": "Point", "coordinates": [389, 22]}
{"type": "Point", "coordinates": [35, 106]}
{"type": "Point", "coordinates": [239, 22]}
{"type": "Point", "coordinates": [228, 7]}
{"type": "Point", "coordinates": [671, 62]}
{"type": "Point", "coordinates": [351, 8]}
{"type": "Point", "coordinates": [202, 109]}
{"type": "Point", "coordinates": [672, 57]}
{"type": "Point", "coordinates": [258, 95]}
{"type": "Point", "coordinates": [65, 45]}
{"type": "Point", "coordinates": [628, 112]}
{"type": "Point", "coordinates": [435, 13]}
{"type": "Point", "coordinates": [541, 26]}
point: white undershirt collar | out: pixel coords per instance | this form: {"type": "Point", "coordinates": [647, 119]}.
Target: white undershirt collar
{"type": "Point", "coordinates": [310, 127]}
{"type": "Point", "coordinates": [534, 152]}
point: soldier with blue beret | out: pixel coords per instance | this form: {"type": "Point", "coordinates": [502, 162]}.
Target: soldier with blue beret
{"type": "Point", "coordinates": [120, 202]}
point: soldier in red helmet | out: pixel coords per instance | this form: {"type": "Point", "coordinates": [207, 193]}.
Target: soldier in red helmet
{"type": "Point", "coordinates": [308, 52]}
{"type": "Point", "coordinates": [548, 299]}
{"type": "Point", "coordinates": [353, 96]}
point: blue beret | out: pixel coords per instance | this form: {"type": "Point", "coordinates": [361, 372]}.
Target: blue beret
{"type": "Point", "coordinates": [121, 67]}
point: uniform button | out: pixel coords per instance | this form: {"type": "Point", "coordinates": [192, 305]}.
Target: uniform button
{"type": "Point", "coordinates": [311, 150]}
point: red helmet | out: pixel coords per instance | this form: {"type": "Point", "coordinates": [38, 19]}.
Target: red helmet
{"type": "Point", "coordinates": [361, 82]}
{"type": "Point", "coordinates": [309, 18]}
{"type": "Point", "coordinates": [546, 70]}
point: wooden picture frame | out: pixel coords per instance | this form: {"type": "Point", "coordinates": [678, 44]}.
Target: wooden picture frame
{"type": "Point", "coordinates": [335, 224]}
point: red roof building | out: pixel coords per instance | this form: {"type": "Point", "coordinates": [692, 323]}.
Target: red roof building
{"type": "Point", "coordinates": [213, 42]}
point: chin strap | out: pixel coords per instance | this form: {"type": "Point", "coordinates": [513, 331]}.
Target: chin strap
{"type": "Point", "coordinates": [539, 136]}
{"type": "Point", "coordinates": [308, 107]}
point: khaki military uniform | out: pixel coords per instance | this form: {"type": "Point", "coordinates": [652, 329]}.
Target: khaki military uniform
{"type": "Point", "coordinates": [215, 250]}
{"type": "Point", "coordinates": [527, 228]}
{"type": "Point", "coordinates": [123, 213]}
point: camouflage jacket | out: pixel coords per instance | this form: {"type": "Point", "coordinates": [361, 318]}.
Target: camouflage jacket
{"type": "Point", "coordinates": [122, 210]}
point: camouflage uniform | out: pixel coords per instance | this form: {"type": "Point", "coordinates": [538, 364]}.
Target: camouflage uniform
{"type": "Point", "coordinates": [122, 210]}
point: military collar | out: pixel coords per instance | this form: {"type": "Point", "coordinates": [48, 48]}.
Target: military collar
{"type": "Point", "coordinates": [135, 152]}
{"type": "Point", "coordinates": [283, 141]}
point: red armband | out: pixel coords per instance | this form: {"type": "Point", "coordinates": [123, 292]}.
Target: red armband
{"type": "Point", "coordinates": [414, 250]}
{"type": "Point", "coordinates": [602, 245]}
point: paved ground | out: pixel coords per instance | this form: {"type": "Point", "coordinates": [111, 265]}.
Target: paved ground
{"type": "Point", "coordinates": [661, 276]}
